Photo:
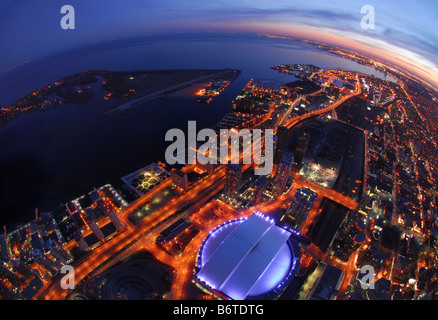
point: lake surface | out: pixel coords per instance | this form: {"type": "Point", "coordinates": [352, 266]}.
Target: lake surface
{"type": "Point", "coordinates": [53, 157]}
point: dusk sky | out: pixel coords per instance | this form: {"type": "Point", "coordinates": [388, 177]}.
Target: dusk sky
{"type": "Point", "coordinates": [405, 31]}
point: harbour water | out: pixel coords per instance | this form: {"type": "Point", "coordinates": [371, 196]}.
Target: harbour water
{"type": "Point", "coordinates": [52, 157]}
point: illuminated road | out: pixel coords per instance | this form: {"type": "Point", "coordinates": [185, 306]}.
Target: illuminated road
{"type": "Point", "coordinates": [125, 212]}
{"type": "Point", "coordinates": [109, 249]}
{"type": "Point", "coordinates": [348, 268]}
{"type": "Point", "coordinates": [186, 262]}
{"type": "Point", "coordinates": [143, 235]}
{"type": "Point", "coordinates": [293, 121]}
{"type": "Point", "coordinates": [177, 262]}
{"type": "Point", "coordinates": [325, 192]}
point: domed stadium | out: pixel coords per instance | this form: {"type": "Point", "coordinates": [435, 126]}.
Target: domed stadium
{"type": "Point", "coordinates": [251, 258]}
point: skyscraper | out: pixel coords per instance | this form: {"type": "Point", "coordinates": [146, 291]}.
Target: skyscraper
{"type": "Point", "coordinates": [207, 167]}
{"type": "Point", "coordinates": [233, 176]}
{"type": "Point", "coordinates": [282, 175]}
{"type": "Point", "coordinates": [115, 219]}
{"type": "Point", "coordinates": [282, 135]}
{"type": "Point", "coordinates": [81, 242]}
{"type": "Point", "coordinates": [301, 148]}
{"type": "Point", "coordinates": [300, 206]}
{"type": "Point", "coordinates": [259, 188]}
{"type": "Point", "coordinates": [94, 227]}
{"type": "Point", "coordinates": [180, 179]}
{"type": "Point", "coordinates": [4, 250]}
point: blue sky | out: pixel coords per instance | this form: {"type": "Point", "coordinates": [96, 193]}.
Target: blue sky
{"type": "Point", "coordinates": [31, 29]}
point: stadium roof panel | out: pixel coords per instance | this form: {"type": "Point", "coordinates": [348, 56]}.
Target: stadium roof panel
{"type": "Point", "coordinates": [251, 259]}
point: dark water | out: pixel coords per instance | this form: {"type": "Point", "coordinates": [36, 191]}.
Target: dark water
{"type": "Point", "coordinates": [52, 157]}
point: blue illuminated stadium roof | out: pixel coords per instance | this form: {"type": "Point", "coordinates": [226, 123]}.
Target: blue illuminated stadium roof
{"type": "Point", "coordinates": [246, 257]}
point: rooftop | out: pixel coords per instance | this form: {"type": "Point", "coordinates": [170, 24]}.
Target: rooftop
{"type": "Point", "coordinates": [247, 257]}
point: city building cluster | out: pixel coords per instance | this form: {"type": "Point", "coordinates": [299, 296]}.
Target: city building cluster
{"type": "Point", "coordinates": [352, 187]}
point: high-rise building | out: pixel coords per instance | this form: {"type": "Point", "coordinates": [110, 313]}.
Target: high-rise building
{"type": "Point", "coordinates": [63, 253]}
{"type": "Point", "coordinates": [12, 277]}
{"type": "Point", "coordinates": [4, 250]}
{"type": "Point", "coordinates": [300, 206]}
{"type": "Point", "coordinates": [81, 242]}
{"type": "Point", "coordinates": [282, 135]}
{"type": "Point", "coordinates": [47, 264]}
{"type": "Point", "coordinates": [115, 219]}
{"type": "Point", "coordinates": [206, 156]}
{"type": "Point", "coordinates": [57, 259]}
{"type": "Point", "coordinates": [282, 175]}
{"type": "Point", "coordinates": [94, 227]}
{"type": "Point", "coordinates": [301, 148]}
{"type": "Point", "coordinates": [233, 176]}
{"type": "Point", "coordinates": [349, 244]}
{"type": "Point", "coordinates": [207, 167]}
{"type": "Point", "coordinates": [259, 188]}
{"type": "Point", "coordinates": [180, 179]}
